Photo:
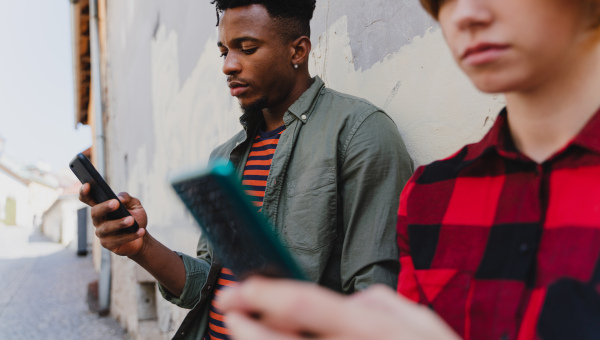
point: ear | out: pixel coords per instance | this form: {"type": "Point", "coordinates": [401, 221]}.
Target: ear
{"type": "Point", "coordinates": [300, 49]}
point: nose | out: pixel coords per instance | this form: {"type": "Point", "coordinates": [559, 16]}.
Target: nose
{"type": "Point", "coordinates": [231, 65]}
{"type": "Point", "coordinates": [469, 14]}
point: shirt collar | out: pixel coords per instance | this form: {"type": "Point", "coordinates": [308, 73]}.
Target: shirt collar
{"type": "Point", "coordinates": [302, 108]}
{"type": "Point", "coordinates": [500, 140]}
{"type": "Point", "coordinates": [589, 136]}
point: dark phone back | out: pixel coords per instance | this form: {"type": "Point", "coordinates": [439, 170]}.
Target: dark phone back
{"type": "Point", "coordinates": [100, 191]}
{"type": "Point", "coordinates": [242, 237]}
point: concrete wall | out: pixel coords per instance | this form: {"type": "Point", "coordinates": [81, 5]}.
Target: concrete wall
{"type": "Point", "coordinates": [168, 106]}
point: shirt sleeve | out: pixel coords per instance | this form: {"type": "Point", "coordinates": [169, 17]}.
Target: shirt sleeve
{"type": "Point", "coordinates": [197, 270]}
{"type": "Point", "coordinates": [407, 282]}
{"type": "Point", "coordinates": [376, 166]}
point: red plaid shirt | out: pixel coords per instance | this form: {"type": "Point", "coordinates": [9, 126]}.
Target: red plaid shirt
{"type": "Point", "coordinates": [502, 247]}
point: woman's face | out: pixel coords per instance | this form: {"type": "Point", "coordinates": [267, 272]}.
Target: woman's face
{"type": "Point", "coordinates": [515, 45]}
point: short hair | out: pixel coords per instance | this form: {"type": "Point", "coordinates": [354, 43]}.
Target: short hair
{"type": "Point", "coordinates": [293, 15]}
{"type": "Point", "coordinates": [433, 8]}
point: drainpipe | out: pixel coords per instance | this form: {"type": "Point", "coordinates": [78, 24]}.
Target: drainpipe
{"type": "Point", "coordinates": [105, 274]}
{"type": "Point", "coordinates": [75, 50]}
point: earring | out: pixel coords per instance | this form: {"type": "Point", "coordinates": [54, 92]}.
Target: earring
{"type": "Point", "coordinates": [295, 66]}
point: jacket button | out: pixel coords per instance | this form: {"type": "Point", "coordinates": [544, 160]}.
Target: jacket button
{"type": "Point", "coordinates": [303, 117]}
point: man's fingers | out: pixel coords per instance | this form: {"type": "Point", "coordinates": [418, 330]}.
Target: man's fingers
{"type": "Point", "coordinates": [99, 211]}
{"type": "Point", "coordinates": [124, 197]}
{"type": "Point", "coordinates": [84, 195]}
{"type": "Point", "coordinates": [288, 305]}
{"type": "Point", "coordinates": [129, 201]}
{"type": "Point", "coordinates": [106, 228]}
{"type": "Point", "coordinates": [115, 240]}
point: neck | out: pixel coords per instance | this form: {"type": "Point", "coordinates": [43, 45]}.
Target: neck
{"type": "Point", "coordinates": [274, 115]}
{"type": "Point", "coordinates": [543, 120]}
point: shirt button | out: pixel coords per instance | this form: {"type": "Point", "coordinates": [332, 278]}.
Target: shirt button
{"type": "Point", "coordinates": [524, 248]}
{"type": "Point", "coordinates": [303, 117]}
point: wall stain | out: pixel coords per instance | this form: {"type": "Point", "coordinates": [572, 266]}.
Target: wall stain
{"type": "Point", "coordinates": [400, 22]}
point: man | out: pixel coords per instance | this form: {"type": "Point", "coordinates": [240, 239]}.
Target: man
{"type": "Point", "coordinates": [502, 239]}
{"type": "Point", "coordinates": [325, 167]}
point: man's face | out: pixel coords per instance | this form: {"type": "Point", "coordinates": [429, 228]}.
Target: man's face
{"type": "Point", "coordinates": [514, 45]}
{"type": "Point", "coordinates": [257, 60]}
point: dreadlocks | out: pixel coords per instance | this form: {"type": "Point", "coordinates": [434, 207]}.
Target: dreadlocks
{"type": "Point", "coordinates": [293, 15]}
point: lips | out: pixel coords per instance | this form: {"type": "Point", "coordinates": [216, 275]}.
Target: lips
{"type": "Point", "coordinates": [237, 88]}
{"type": "Point", "coordinates": [483, 53]}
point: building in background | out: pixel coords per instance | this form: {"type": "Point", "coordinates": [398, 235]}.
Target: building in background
{"type": "Point", "coordinates": [60, 220]}
{"type": "Point", "coordinates": [26, 191]}
{"type": "Point", "coordinates": [166, 106]}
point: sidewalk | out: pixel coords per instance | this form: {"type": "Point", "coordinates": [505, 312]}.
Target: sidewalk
{"type": "Point", "coordinates": [43, 289]}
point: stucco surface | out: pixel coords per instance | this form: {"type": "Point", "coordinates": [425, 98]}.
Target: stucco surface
{"type": "Point", "coordinates": [434, 105]}
{"type": "Point", "coordinates": [376, 28]}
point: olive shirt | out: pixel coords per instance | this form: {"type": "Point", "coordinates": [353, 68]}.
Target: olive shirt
{"type": "Point", "coordinates": [332, 195]}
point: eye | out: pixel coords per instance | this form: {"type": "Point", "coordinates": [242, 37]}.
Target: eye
{"type": "Point", "coordinates": [223, 55]}
{"type": "Point", "coordinates": [249, 50]}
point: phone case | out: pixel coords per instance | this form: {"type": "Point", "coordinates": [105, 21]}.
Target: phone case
{"type": "Point", "coordinates": [241, 237]}
{"type": "Point", "coordinates": [100, 191]}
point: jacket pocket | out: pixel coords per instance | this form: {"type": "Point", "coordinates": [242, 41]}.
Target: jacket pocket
{"type": "Point", "coordinates": [310, 216]}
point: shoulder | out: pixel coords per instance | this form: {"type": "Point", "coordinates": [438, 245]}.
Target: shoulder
{"type": "Point", "coordinates": [350, 113]}
{"type": "Point", "coordinates": [223, 150]}
{"type": "Point", "coordinates": [442, 170]}
{"type": "Point", "coordinates": [349, 105]}
{"type": "Point", "coordinates": [472, 160]}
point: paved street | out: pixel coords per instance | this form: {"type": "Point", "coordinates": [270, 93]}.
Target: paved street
{"type": "Point", "coordinates": [43, 289]}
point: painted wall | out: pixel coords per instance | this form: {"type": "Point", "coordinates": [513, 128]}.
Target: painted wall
{"type": "Point", "coordinates": [11, 187]}
{"type": "Point", "coordinates": [41, 197]}
{"type": "Point", "coordinates": [168, 105]}
{"type": "Point", "coordinates": [60, 220]}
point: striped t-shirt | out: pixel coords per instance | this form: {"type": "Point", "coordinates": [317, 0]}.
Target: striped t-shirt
{"type": "Point", "coordinates": [254, 181]}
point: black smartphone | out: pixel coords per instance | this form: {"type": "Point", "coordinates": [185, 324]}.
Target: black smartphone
{"type": "Point", "coordinates": [100, 191]}
{"type": "Point", "coordinates": [242, 237]}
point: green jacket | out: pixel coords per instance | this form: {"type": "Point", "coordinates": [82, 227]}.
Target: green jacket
{"type": "Point", "coordinates": [332, 195]}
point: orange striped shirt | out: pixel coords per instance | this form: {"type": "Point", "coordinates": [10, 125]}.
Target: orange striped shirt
{"type": "Point", "coordinates": [254, 182]}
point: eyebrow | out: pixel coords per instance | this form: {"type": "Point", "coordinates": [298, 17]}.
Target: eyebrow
{"type": "Point", "coordinates": [240, 40]}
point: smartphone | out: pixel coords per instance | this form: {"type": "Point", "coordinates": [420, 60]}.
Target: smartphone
{"type": "Point", "coordinates": [100, 191]}
{"type": "Point", "coordinates": [241, 236]}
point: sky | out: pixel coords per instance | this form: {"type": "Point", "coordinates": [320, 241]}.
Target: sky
{"type": "Point", "coordinates": [37, 119]}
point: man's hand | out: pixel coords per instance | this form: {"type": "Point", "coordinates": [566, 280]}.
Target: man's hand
{"type": "Point", "coordinates": [108, 231]}
{"type": "Point", "coordinates": [279, 309]}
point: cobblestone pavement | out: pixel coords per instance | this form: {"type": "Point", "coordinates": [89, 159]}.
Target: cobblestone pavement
{"type": "Point", "coordinates": [43, 288]}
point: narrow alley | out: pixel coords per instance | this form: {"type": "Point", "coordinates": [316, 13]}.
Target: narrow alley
{"type": "Point", "coordinates": [43, 288]}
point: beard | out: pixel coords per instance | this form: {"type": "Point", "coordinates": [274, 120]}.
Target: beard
{"type": "Point", "coordinates": [255, 108]}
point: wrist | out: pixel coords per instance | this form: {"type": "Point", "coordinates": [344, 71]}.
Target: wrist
{"type": "Point", "coordinates": [145, 249]}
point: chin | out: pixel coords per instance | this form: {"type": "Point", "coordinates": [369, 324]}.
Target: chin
{"type": "Point", "coordinates": [498, 83]}
{"type": "Point", "coordinates": [255, 105]}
